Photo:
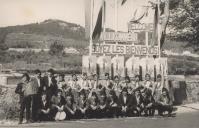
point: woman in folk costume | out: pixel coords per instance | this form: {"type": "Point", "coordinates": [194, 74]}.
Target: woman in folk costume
{"type": "Point", "coordinates": [157, 88]}
{"type": "Point", "coordinates": [84, 83]}
{"type": "Point", "coordinates": [117, 85]}
{"type": "Point", "coordinates": [74, 85]}
{"type": "Point", "coordinates": [137, 84]}
{"type": "Point", "coordinates": [94, 81]}
{"type": "Point", "coordinates": [61, 82]}
{"type": "Point", "coordinates": [148, 83]}
{"type": "Point", "coordinates": [70, 106]}
{"type": "Point", "coordinates": [107, 83]}
{"type": "Point", "coordinates": [58, 103]}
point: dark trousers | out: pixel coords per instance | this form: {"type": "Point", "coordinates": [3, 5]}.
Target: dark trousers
{"type": "Point", "coordinates": [44, 117]}
{"type": "Point", "coordinates": [163, 108]}
{"type": "Point", "coordinates": [103, 112]}
{"type": "Point", "coordinates": [34, 103]}
{"type": "Point", "coordinates": [25, 105]}
{"type": "Point", "coordinates": [130, 112]}
{"type": "Point", "coordinates": [92, 113]}
{"type": "Point", "coordinates": [113, 112]}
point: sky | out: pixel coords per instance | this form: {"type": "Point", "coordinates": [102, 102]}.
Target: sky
{"type": "Point", "coordinates": [19, 12]}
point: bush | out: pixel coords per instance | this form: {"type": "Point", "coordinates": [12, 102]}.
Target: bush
{"type": "Point", "coordinates": [9, 105]}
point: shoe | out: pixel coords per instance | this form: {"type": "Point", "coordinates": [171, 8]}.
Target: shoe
{"type": "Point", "coordinates": [20, 122]}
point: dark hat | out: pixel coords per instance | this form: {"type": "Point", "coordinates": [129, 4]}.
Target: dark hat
{"type": "Point", "coordinates": [112, 92]}
{"type": "Point", "coordinates": [82, 92]}
{"type": "Point", "coordinates": [124, 89]}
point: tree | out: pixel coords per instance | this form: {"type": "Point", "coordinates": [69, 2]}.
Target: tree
{"type": "Point", "coordinates": [56, 48]}
{"type": "Point", "coordinates": [185, 22]}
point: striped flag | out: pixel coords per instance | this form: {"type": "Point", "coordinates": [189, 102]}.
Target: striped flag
{"type": "Point", "coordinates": [94, 18]}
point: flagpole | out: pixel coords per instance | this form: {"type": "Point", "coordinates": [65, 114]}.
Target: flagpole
{"type": "Point", "coordinates": [158, 27]}
{"type": "Point", "coordinates": [91, 28]}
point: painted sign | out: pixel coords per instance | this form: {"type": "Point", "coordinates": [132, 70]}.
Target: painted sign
{"type": "Point", "coordinates": [89, 64]}
{"type": "Point", "coordinates": [124, 49]}
{"type": "Point", "coordinates": [132, 27]}
{"type": "Point", "coordinates": [118, 66]}
{"type": "Point", "coordinates": [118, 36]}
{"type": "Point", "coordinates": [103, 65]}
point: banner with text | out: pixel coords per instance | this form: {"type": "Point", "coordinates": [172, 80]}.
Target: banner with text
{"type": "Point", "coordinates": [124, 49]}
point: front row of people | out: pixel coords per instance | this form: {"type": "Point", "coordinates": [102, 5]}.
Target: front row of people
{"type": "Point", "coordinates": [101, 102]}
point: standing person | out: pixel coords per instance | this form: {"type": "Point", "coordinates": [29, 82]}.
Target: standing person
{"type": "Point", "coordinates": [127, 103]}
{"type": "Point", "coordinates": [107, 83]}
{"type": "Point", "coordinates": [50, 83]}
{"type": "Point", "coordinates": [164, 104]}
{"type": "Point", "coordinates": [37, 87]}
{"type": "Point", "coordinates": [94, 81]}
{"type": "Point", "coordinates": [137, 84]}
{"type": "Point", "coordinates": [44, 108]}
{"type": "Point", "coordinates": [157, 88]}
{"type": "Point", "coordinates": [25, 91]}
{"type": "Point", "coordinates": [75, 86]}
{"type": "Point", "coordinates": [84, 83]}
{"type": "Point", "coordinates": [61, 81]}
{"type": "Point", "coordinates": [117, 85]}
{"type": "Point", "coordinates": [148, 82]}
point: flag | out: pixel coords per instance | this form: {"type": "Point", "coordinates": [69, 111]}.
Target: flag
{"type": "Point", "coordinates": [98, 19]}
{"type": "Point", "coordinates": [155, 29]}
{"type": "Point", "coordinates": [94, 18]}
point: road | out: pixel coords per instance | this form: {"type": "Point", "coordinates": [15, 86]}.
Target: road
{"type": "Point", "coordinates": [182, 120]}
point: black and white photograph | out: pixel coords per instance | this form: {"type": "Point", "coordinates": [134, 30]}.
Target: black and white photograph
{"type": "Point", "coordinates": [99, 63]}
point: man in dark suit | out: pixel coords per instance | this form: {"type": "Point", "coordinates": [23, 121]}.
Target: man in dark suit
{"type": "Point", "coordinates": [127, 103]}
{"type": "Point", "coordinates": [50, 84]}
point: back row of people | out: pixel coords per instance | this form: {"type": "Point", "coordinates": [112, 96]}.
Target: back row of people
{"type": "Point", "coordinates": [56, 99]}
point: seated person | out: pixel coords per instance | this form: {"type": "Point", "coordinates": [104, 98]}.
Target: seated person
{"type": "Point", "coordinates": [93, 105]}
{"type": "Point", "coordinates": [44, 108]}
{"type": "Point", "coordinates": [163, 103]}
{"type": "Point", "coordinates": [70, 106]}
{"type": "Point", "coordinates": [148, 103]}
{"type": "Point", "coordinates": [112, 104]}
{"type": "Point", "coordinates": [58, 103]}
{"type": "Point", "coordinates": [102, 104]}
{"type": "Point", "coordinates": [127, 103]}
{"type": "Point", "coordinates": [82, 105]}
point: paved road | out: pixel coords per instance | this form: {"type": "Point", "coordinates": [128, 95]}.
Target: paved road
{"type": "Point", "coordinates": [186, 120]}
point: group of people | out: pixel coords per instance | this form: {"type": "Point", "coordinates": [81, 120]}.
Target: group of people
{"type": "Point", "coordinates": [50, 97]}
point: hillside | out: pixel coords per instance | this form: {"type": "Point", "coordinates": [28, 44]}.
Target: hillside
{"type": "Point", "coordinates": [41, 35]}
